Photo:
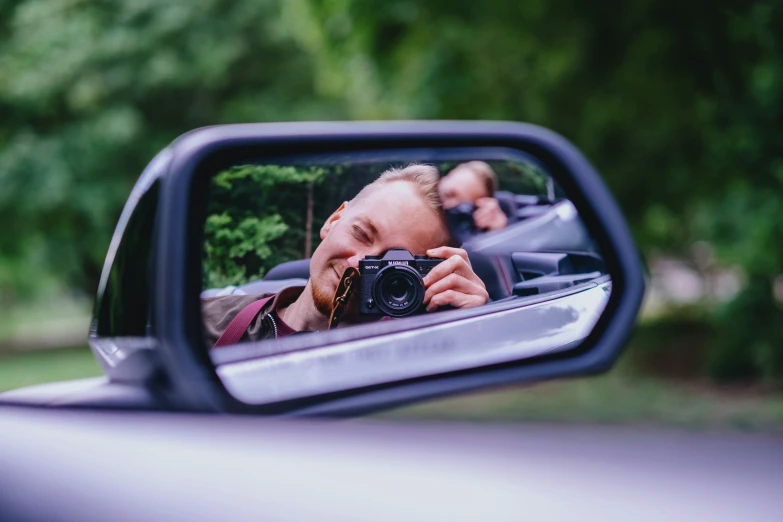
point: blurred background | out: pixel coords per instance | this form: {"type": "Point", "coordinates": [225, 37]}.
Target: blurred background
{"type": "Point", "coordinates": [678, 105]}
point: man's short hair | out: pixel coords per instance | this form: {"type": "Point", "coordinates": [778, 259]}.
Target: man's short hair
{"type": "Point", "coordinates": [484, 172]}
{"type": "Point", "coordinates": [425, 177]}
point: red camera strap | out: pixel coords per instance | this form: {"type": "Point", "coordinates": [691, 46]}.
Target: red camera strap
{"type": "Point", "coordinates": [240, 323]}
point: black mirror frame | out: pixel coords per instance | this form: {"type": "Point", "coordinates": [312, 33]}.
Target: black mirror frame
{"type": "Point", "coordinates": [193, 383]}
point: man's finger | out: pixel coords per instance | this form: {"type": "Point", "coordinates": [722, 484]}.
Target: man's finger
{"type": "Point", "coordinates": [486, 203]}
{"type": "Point", "coordinates": [446, 252]}
{"type": "Point", "coordinates": [457, 283]}
{"type": "Point", "coordinates": [482, 220]}
{"type": "Point", "coordinates": [454, 264]}
{"type": "Point", "coordinates": [482, 213]}
{"type": "Point", "coordinates": [491, 218]}
{"type": "Point", "coordinates": [455, 299]}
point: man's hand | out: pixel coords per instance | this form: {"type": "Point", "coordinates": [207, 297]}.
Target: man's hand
{"type": "Point", "coordinates": [489, 215]}
{"type": "Point", "coordinates": [453, 281]}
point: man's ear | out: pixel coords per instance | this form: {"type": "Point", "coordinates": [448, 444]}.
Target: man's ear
{"type": "Point", "coordinates": [331, 220]}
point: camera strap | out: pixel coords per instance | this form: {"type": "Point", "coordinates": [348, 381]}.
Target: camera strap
{"type": "Point", "coordinates": [240, 323]}
{"type": "Point", "coordinates": [348, 282]}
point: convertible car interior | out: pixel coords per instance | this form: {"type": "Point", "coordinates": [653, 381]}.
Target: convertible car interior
{"type": "Point", "coordinates": [545, 248]}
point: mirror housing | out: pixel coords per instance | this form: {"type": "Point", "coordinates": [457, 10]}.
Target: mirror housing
{"type": "Point", "coordinates": [174, 360]}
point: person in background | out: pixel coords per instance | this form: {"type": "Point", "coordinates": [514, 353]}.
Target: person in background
{"type": "Point", "coordinates": [475, 183]}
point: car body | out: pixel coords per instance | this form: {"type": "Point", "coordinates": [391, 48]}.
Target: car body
{"type": "Point", "coordinates": [146, 441]}
{"type": "Point", "coordinates": [108, 465]}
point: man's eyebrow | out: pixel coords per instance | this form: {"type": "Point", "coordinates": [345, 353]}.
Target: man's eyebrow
{"type": "Point", "coordinates": [368, 222]}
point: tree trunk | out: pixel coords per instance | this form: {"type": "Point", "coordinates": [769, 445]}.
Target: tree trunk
{"type": "Point", "coordinates": [309, 222]}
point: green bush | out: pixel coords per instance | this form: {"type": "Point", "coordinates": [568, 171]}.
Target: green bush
{"type": "Point", "coordinates": [256, 219]}
{"type": "Point", "coordinates": [748, 337]}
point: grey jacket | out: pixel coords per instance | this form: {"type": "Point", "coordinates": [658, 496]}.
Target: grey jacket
{"type": "Point", "coordinates": [218, 312]}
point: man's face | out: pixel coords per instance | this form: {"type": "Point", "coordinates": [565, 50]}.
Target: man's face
{"type": "Point", "coordinates": [460, 186]}
{"type": "Point", "coordinates": [391, 216]}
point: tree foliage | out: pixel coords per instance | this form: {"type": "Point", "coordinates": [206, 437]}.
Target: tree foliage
{"type": "Point", "coordinates": [676, 103]}
{"type": "Point", "coordinates": [90, 91]}
{"type": "Point", "coordinates": [256, 219]}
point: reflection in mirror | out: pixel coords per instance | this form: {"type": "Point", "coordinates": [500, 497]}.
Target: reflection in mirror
{"type": "Point", "coordinates": [398, 265]}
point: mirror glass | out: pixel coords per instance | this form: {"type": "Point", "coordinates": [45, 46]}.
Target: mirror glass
{"type": "Point", "coordinates": [329, 272]}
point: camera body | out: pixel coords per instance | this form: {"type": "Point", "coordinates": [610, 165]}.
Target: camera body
{"type": "Point", "coordinates": [459, 221]}
{"type": "Point", "coordinates": [391, 285]}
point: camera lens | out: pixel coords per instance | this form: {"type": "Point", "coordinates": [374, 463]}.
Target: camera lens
{"type": "Point", "coordinates": [398, 290]}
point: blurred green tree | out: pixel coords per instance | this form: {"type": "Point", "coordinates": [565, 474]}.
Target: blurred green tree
{"type": "Point", "coordinates": [90, 91]}
{"type": "Point", "coordinates": [678, 104]}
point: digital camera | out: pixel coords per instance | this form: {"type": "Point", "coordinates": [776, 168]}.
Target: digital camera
{"type": "Point", "coordinates": [459, 221]}
{"type": "Point", "coordinates": [391, 285]}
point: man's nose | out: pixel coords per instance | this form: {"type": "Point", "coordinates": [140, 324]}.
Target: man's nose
{"type": "Point", "coordinates": [354, 260]}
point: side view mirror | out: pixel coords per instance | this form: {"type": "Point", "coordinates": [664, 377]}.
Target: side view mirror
{"type": "Point", "coordinates": [238, 237]}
